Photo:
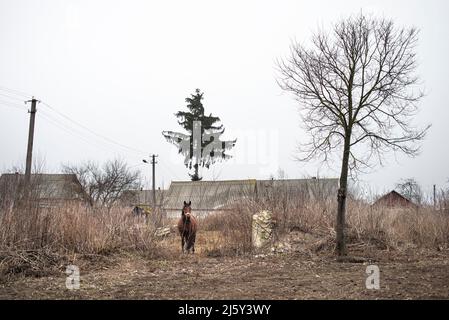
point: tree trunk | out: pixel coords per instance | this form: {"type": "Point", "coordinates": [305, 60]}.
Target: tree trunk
{"type": "Point", "coordinates": [342, 193]}
{"type": "Point", "coordinates": [196, 175]}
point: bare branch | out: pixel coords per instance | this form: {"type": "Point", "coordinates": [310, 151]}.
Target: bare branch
{"type": "Point", "coordinates": [357, 84]}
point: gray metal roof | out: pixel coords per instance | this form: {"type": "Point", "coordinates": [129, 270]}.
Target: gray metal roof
{"type": "Point", "coordinates": [208, 195]}
{"type": "Point", "coordinates": [45, 186]}
{"type": "Point", "coordinates": [311, 188]}
{"type": "Point", "coordinates": [214, 195]}
{"type": "Point", "coordinates": [142, 197]}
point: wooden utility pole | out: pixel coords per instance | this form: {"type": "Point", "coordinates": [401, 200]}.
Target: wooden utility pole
{"type": "Point", "coordinates": [434, 197]}
{"type": "Point", "coordinates": [153, 162]}
{"type": "Point", "coordinates": [30, 141]}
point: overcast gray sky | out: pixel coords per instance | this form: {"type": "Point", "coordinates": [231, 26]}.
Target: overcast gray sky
{"type": "Point", "coordinates": [123, 68]}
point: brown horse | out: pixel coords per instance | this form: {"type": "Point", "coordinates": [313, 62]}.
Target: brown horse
{"type": "Point", "coordinates": [187, 226]}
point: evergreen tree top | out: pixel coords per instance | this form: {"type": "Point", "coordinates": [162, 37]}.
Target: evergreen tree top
{"type": "Point", "coordinates": [196, 113]}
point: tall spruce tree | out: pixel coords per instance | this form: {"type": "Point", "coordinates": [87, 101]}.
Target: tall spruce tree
{"type": "Point", "coordinates": [210, 147]}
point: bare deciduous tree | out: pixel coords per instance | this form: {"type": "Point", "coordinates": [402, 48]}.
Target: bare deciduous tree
{"type": "Point", "coordinates": [443, 199]}
{"type": "Point", "coordinates": [105, 184]}
{"type": "Point", "coordinates": [411, 189]}
{"type": "Point", "coordinates": [357, 88]}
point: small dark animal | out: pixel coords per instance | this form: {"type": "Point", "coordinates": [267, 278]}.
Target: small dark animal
{"type": "Point", "coordinates": [187, 227]}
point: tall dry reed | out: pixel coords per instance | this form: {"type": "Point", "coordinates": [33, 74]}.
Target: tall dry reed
{"type": "Point", "coordinates": [34, 235]}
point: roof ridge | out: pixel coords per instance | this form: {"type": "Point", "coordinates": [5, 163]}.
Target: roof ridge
{"type": "Point", "coordinates": [257, 180]}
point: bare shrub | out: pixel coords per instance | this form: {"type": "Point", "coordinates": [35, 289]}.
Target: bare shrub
{"type": "Point", "coordinates": [381, 227]}
{"type": "Point", "coordinates": [105, 184]}
{"type": "Point", "coordinates": [41, 237]}
{"type": "Point", "coordinates": [292, 207]}
{"type": "Point", "coordinates": [234, 228]}
{"type": "Point", "coordinates": [395, 227]}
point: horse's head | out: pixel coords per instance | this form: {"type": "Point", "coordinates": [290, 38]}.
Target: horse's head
{"type": "Point", "coordinates": [187, 210]}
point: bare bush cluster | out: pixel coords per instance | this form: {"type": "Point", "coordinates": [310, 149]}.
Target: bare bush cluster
{"type": "Point", "coordinates": [105, 184]}
{"type": "Point", "coordinates": [37, 238]}
{"type": "Point", "coordinates": [234, 229]}
{"type": "Point", "coordinates": [383, 227]}
{"type": "Point", "coordinates": [387, 227]}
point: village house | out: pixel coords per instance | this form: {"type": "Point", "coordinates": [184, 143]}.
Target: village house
{"type": "Point", "coordinates": [216, 196]}
{"type": "Point", "coordinates": [394, 200]}
{"type": "Point", "coordinates": [142, 200]}
{"type": "Point", "coordinates": [47, 190]}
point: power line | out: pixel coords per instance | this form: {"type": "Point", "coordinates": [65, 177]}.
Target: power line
{"type": "Point", "coordinates": [5, 105]}
{"type": "Point", "coordinates": [140, 152]}
{"type": "Point", "coordinates": [16, 92]}
{"type": "Point", "coordinates": [170, 171]}
{"type": "Point", "coordinates": [137, 165]}
{"type": "Point", "coordinates": [77, 133]}
{"type": "Point", "coordinates": [71, 130]}
{"type": "Point", "coordinates": [74, 133]}
{"type": "Point", "coordinates": [57, 121]}
{"type": "Point", "coordinates": [24, 94]}
{"type": "Point", "coordinates": [169, 175]}
{"type": "Point", "coordinates": [11, 97]}
{"type": "Point", "coordinates": [12, 105]}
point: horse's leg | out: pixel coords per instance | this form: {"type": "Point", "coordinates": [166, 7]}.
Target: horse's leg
{"type": "Point", "coordinates": [193, 242]}
{"type": "Point", "coordinates": [182, 243]}
{"type": "Point", "coordinates": [186, 246]}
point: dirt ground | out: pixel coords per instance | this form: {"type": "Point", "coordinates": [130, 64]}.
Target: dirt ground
{"type": "Point", "coordinates": [296, 274]}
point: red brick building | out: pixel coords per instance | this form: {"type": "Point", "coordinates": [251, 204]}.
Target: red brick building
{"type": "Point", "coordinates": [394, 200]}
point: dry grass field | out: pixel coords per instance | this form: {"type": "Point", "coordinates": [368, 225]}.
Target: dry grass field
{"type": "Point", "coordinates": [301, 274]}
{"type": "Point", "coordinates": [119, 257]}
